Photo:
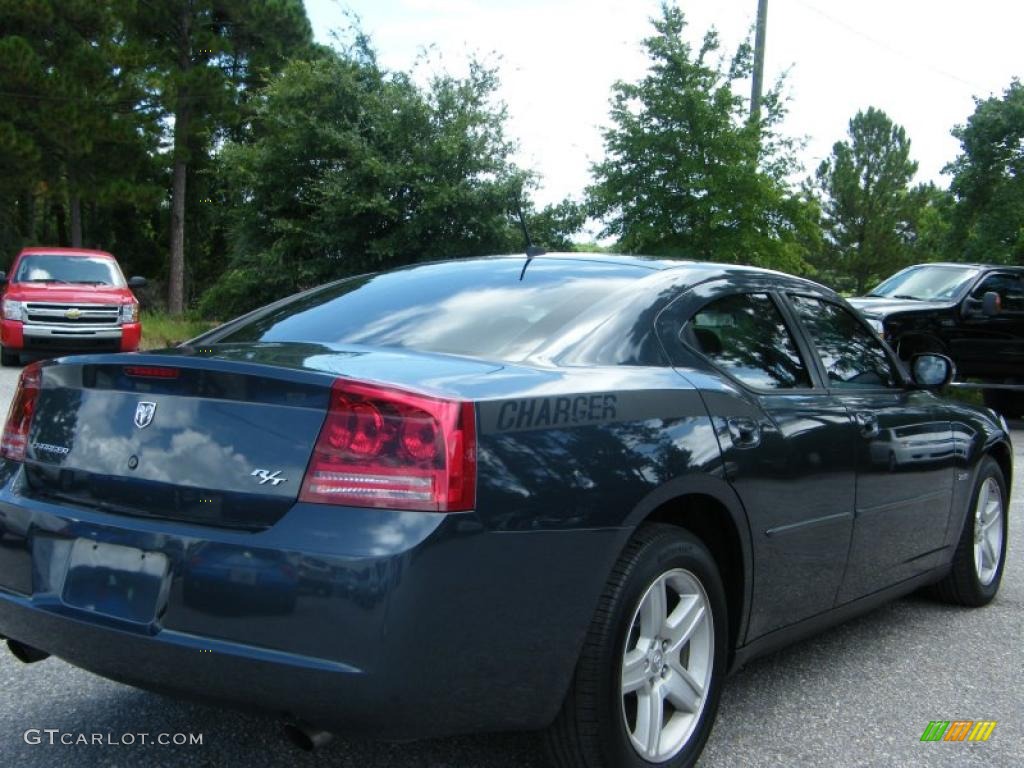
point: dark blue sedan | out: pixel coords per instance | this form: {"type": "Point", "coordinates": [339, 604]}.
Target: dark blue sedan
{"type": "Point", "coordinates": [565, 493]}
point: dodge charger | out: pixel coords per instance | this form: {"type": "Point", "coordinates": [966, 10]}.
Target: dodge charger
{"type": "Point", "coordinates": [567, 493]}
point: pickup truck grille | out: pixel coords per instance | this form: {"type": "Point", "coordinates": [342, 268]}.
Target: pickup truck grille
{"type": "Point", "coordinates": [93, 315]}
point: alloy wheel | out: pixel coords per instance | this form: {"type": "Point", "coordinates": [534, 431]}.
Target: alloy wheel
{"type": "Point", "coordinates": [667, 663]}
{"type": "Point", "coordinates": [988, 531]}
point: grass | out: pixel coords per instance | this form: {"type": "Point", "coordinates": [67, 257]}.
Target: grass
{"type": "Point", "coordinates": [160, 330]}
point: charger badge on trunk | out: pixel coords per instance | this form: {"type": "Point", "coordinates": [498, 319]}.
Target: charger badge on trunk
{"type": "Point", "coordinates": [144, 414]}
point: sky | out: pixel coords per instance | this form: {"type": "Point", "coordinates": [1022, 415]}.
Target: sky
{"type": "Point", "coordinates": [922, 61]}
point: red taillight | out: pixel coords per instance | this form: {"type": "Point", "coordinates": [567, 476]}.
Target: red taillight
{"type": "Point", "coordinates": [383, 447]}
{"type": "Point", "coordinates": [150, 372]}
{"type": "Point", "coordinates": [19, 417]}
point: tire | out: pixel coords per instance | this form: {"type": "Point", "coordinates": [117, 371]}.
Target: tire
{"type": "Point", "coordinates": [598, 723]}
{"type": "Point", "coordinates": [977, 569]}
{"type": "Point", "coordinates": [9, 359]}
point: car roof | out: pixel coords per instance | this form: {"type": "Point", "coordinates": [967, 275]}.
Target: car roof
{"type": "Point", "coordinates": [699, 271]}
{"type": "Point", "coordinates": [974, 264]}
{"type": "Point", "coordinates": [61, 251]}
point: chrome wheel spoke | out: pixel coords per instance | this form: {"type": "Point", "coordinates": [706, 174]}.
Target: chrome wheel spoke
{"type": "Point", "coordinates": [993, 511]}
{"type": "Point", "coordinates": [990, 552]}
{"type": "Point", "coordinates": [653, 610]}
{"type": "Point", "coordinates": [685, 619]}
{"type": "Point", "coordinates": [649, 718]}
{"type": "Point", "coordinates": [634, 670]}
{"type": "Point", "coordinates": [683, 692]}
{"type": "Point", "coordinates": [695, 685]}
{"type": "Point", "coordinates": [983, 498]}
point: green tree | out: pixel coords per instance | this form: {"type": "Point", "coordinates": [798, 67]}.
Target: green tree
{"type": "Point", "coordinates": [686, 171]}
{"type": "Point", "coordinates": [202, 59]}
{"type": "Point", "coordinates": [932, 224]}
{"type": "Point", "coordinates": [869, 207]}
{"type": "Point", "coordinates": [554, 225]}
{"type": "Point", "coordinates": [73, 126]}
{"type": "Point", "coordinates": [354, 169]}
{"type": "Point", "coordinates": [988, 181]}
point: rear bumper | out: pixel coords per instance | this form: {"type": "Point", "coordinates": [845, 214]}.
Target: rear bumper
{"type": "Point", "coordinates": [388, 624]}
{"type": "Point", "coordinates": [22, 337]}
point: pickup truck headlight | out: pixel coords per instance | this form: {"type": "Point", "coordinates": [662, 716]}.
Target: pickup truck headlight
{"type": "Point", "coordinates": [877, 326]}
{"type": "Point", "coordinates": [129, 313]}
{"type": "Point", "coordinates": [13, 310]}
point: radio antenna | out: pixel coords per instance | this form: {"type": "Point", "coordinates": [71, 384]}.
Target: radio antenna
{"type": "Point", "coordinates": [531, 249]}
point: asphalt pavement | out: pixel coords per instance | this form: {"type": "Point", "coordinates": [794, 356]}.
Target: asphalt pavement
{"type": "Point", "coordinates": [858, 695]}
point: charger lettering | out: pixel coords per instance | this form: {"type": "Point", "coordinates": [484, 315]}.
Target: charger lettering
{"type": "Point", "coordinates": [556, 411]}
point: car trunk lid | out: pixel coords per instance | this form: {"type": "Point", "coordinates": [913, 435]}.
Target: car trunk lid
{"type": "Point", "coordinates": [217, 440]}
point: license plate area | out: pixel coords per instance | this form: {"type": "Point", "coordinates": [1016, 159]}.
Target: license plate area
{"type": "Point", "coordinates": [113, 580]}
{"type": "Point", "coordinates": [242, 576]}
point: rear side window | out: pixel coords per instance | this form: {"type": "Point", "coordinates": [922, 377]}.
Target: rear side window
{"type": "Point", "coordinates": [746, 336]}
{"type": "Point", "coordinates": [853, 357]}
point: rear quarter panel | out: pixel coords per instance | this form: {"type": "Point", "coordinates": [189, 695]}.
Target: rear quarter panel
{"type": "Point", "coordinates": [585, 448]}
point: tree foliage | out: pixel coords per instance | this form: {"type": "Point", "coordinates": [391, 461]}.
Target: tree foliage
{"type": "Point", "coordinates": [210, 144]}
{"type": "Point", "coordinates": [988, 181]}
{"type": "Point", "coordinates": [686, 171]}
{"type": "Point", "coordinates": [75, 139]}
{"type": "Point", "coordinates": [355, 169]}
{"type": "Point", "coordinates": [870, 211]}
{"type": "Point", "coordinates": [201, 59]}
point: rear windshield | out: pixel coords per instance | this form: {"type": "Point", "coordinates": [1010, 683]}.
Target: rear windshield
{"type": "Point", "coordinates": [57, 268]}
{"type": "Point", "coordinates": [477, 308]}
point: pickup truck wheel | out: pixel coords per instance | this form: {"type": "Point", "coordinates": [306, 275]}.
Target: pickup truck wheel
{"type": "Point", "coordinates": [647, 684]}
{"type": "Point", "coordinates": [981, 552]}
{"type": "Point", "coordinates": [9, 359]}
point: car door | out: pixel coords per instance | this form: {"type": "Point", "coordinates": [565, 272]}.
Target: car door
{"type": "Point", "coordinates": [787, 444]}
{"type": "Point", "coordinates": [904, 444]}
{"type": "Point", "coordinates": [992, 346]}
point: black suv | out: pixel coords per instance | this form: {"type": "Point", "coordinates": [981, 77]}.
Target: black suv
{"type": "Point", "coordinates": [974, 313]}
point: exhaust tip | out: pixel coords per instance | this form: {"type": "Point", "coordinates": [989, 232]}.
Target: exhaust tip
{"type": "Point", "coordinates": [26, 653]}
{"type": "Point", "coordinates": [306, 738]}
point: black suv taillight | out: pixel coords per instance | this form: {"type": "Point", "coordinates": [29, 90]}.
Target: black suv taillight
{"type": "Point", "coordinates": [385, 447]}
{"type": "Point", "coordinates": [19, 417]}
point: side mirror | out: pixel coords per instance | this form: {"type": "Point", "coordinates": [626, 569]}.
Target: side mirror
{"type": "Point", "coordinates": [931, 371]}
{"type": "Point", "coordinates": [991, 304]}
{"type": "Point", "coordinates": [136, 282]}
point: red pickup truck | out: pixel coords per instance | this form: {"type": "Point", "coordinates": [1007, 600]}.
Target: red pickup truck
{"type": "Point", "coordinates": [65, 300]}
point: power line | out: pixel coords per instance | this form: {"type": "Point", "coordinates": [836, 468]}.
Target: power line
{"type": "Point", "coordinates": [890, 49]}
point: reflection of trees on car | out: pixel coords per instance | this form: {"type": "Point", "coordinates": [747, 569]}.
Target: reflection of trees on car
{"type": "Point", "coordinates": [746, 335]}
{"type": "Point", "coordinates": [851, 355]}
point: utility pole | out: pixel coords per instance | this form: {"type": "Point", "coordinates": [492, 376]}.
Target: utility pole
{"type": "Point", "coordinates": [759, 42]}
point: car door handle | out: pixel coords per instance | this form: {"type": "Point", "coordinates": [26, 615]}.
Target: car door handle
{"type": "Point", "coordinates": [745, 433]}
{"type": "Point", "coordinates": [868, 423]}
